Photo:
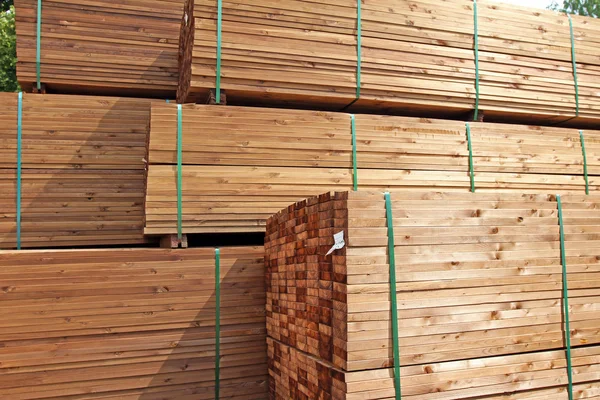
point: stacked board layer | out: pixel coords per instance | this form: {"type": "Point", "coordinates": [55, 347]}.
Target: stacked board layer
{"type": "Point", "coordinates": [479, 296]}
{"type": "Point", "coordinates": [530, 376]}
{"type": "Point", "coordinates": [100, 46]}
{"type": "Point", "coordinates": [82, 180]}
{"type": "Point", "coordinates": [131, 324]}
{"type": "Point", "coordinates": [240, 165]}
{"type": "Point", "coordinates": [417, 57]}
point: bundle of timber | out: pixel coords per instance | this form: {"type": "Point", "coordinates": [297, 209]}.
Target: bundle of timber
{"type": "Point", "coordinates": [99, 46]}
{"type": "Point", "coordinates": [72, 170]}
{"type": "Point", "coordinates": [479, 300]}
{"type": "Point", "coordinates": [529, 376]}
{"type": "Point", "coordinates": [424, 56]}
{"type": "Point", "coordinates": [240, 165]}
{"type": "Point", "coordinates": [133, 324]}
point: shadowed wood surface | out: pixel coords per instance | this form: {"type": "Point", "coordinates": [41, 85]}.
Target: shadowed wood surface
{"type": "Point", "coordinates": [82, 170]}
{"type": "Point", "coordinates": [100, 46]}
{"type": "Point", "coordinates": [131, 324]}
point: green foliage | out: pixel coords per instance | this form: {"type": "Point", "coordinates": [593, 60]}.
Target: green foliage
{"type": "Point", "coordinates": [5, 5]}
{"type": "Point", "coordinates": [8, 51]}
{"type": "Point", "coordinates": [589, 8]}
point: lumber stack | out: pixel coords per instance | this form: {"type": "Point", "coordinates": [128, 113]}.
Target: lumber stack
{"type": "Point", "coordinates": [100, 46]}
{"type": "Point", "coordinates": [239, 165]}
{"type": "Point", "coordinates": [479, 285]}
{"type": "Point", "coordinates": [131, 324]}
{"type": "Point", "coordinates": [415, 57]}
{"type": "Point", "coordinates": [82, 170]}
{"type": "Point", "coordinates": [531, 376]}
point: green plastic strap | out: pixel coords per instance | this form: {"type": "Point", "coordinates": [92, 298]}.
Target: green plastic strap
{"type": "Point", "coordinates": [219, 39]}
{"type": "Point", "coordinates": [574, 60]}
{"type": "Point", "coordinates": [563, 259]}
{"type": "Point", "coordinates": [358, 46]}
{"type": "Point", "coordinates": [585, 169]}
{"type": "Point", "coordinates": [217, 322]}
{"type": "Point", "coordinates": [38, 56]}
{"type": "Point", "coordinates": [393, 299]}
{"type": "Point", "coordinates": [354, 161]}
{"type": "Point", "coordinates": [476, 40]}
{"type": "Point", "coordinates": [470, 147]}
{"type": "Point", "coordinates": [19, 163]}
{"type": "Point", "coordinates": [179, 172]}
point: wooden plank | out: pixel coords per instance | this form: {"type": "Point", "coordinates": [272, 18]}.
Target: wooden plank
{"type": "Point", "coordinates": [131, 323]}
{"type": "Point", "coordinates": [83, 161]}
{"type": "Point", "coordinates": [538, 376]}
{"type": "Point", "coordinates": [101, 47]}
{"type": "Point", "coordinates": [416, 59]}
{"type": "Point", "coordinates": [242, 164]}
{"type": "Point", "coordinates": [479, 280]}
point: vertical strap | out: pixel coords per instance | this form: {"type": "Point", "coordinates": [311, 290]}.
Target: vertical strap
{"type": "Point", "coordinates": [179, 173]}
{"type": "Point", "coordinates": [19, 165]}
{"type": "Point", "coordinates": [585, 169]}
{"type": "Point", "coordinates": [217, 322]}
{"type": "Point", "coordinates": [393, 299]}
{"type": "Point", "coordinates": [219, 39]}
{"type": "Point", "coordinates": [574, 60]}
{"type": "Point", "coordinates": [358, 46]}
{"type": "Point", "coordinates": [476, 49]}
{"type": "Point", "coordinates": [38, 55]}
{"type": "Point", "coordinates": [471, 167]}
{"type": "Point", "coordinates": [354, 161]}
{"type": "Point", "coordinates": [563, 259]}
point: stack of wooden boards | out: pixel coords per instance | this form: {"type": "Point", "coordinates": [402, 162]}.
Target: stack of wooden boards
{"type": "Point", "coordinates": [479, 293]}
{"type": "Point", "coordinates": [99, 46]}
{"type": "Point", "coordinates": [132, 324]}
{"type": "Point", "coordinates": [82, 161]}
{"type": "Point", "coordinates": [240, 165]}
{"type": "Point", "coordinates": [420, 56]}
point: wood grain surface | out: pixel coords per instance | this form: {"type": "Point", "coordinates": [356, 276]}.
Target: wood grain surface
{"type": "Point", "coordinates": [82, 170]}
{"type": "Point", "coordinates": [131, 324]}
{"type": "Point", "coordinates": [479, 278]}
{"type": "Point", "coordinates": [416, 57]}
{"type": "Point", "coordinates": [242, 164]}
{"type": "Point", "coordinates": [100, 46]}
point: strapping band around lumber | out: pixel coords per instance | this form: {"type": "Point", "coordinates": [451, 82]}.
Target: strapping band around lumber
{"type": "Point", "coordinates": [585, 169]}
{"type": "Point", "coordinates": [476, 50]}
{"type": "Point", "coordinates": [393, 299]}
{"type": "Point", "coordinates": [217, 322]}
{"type": "Point", "coordinates": [563, 259]}
{"type": "Point", "coordinates": [19, 163]}
{"type": "Point", "coordinates": [179, 172]}
{"type": "Point", "coordinates": [354, 161]}
{"type": "Point", "coordinates": [358, 46]}
{"type": "Point", "coordinates": [574, 60]}
{"type": "Point", "coordinates": [38, 56]}
{"type": "Point", "coordinates": [470, 147]}
{"type": "Point", "coordinates": [219, 40]}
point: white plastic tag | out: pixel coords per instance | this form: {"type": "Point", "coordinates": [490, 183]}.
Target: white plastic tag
{"type": "Point", "coordinates": [339, 242]}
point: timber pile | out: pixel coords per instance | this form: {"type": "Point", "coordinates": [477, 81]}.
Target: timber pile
{"type": "Point", "coordinates": [131, 324]}
{"type": "Point", "coordinates": [100, 46]}
{"type": "Point", "coordinates": [529, 376]}
{"type": "Point", "coordinates": [414, 57]}
{"type": "Point", "coordinates": [82, 170]}
{"type": "Point", "coordinates": [240, 165]}
{"type": "Point", "coordinates": [480, 276]}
